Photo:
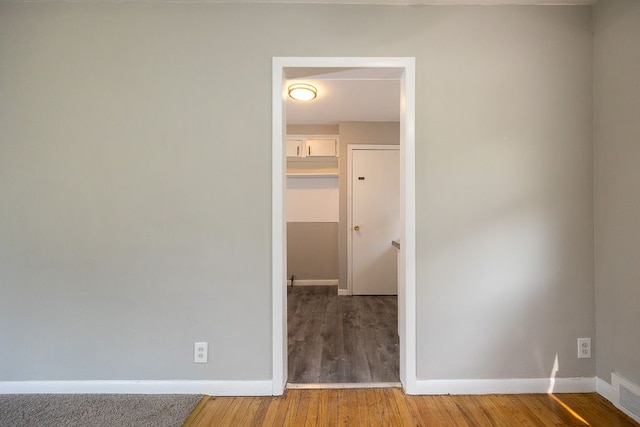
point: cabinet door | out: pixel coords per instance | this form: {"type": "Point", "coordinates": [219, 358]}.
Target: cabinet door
{"type": "Point", "coordinates": [294, 148]}
{"type": "Point", "coordinates": [321, 148]}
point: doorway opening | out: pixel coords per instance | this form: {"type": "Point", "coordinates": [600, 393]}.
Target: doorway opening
{"type": "Point", "coordinates": [405, 67]}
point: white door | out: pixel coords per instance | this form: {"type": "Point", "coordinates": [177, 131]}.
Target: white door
{"type": "Point", "coordinates": [375, 219]}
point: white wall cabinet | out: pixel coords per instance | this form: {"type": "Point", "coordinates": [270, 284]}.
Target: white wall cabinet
{"type": "Point", "coordinates": [312, 147]}
{"type": "Point", "coordinates": [294, 147]}
{"type": "Point", "coordinates": [321, 148]}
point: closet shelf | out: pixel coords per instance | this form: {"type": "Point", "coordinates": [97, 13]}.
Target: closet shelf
{"type": "Point", "coordinates": [312, 174]}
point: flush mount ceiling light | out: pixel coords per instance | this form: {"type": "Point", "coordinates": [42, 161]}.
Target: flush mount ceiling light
{"type": "Point", "coordinates": [302, 92]}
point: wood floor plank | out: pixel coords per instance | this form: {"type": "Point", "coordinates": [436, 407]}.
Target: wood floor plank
{"type": "Point", "coordinates": [594, 409]}
{"type": "Point", "coordinates": [300, 416]}
{"type": "Point", "coordinates": [374, 407]}
{"type": "Point", "coordinates": [448, 405]}
{"type": "Point", "coordinates": [391, 407]}
{"type": "Point", "coordinates": [312, 412]}
{"type": "Point", "coordinates": [293, 400]}
{"type": "Point", "coordinates": [343, 408]}
{"type": "Point", "coordinates": [333, 365]}
{"type": "Point", "coordinates": [260, 415]}
{"type": "Point", "coordinates": [515, 410]}
{"type": "Point", "coordinates": [536, 406]}
{"type": "Point", "coordinates": [405, 414]}
{"type": "Point", "coordinates": [556, 406]}
{"type": "Point", "coordinates": [281, 413]}
{"type": "Point", "coordinates": [235, 412]}
{"type": "Point", "coordinates": [197, 413]}
{"type": "Point", "coordinates": [579, 405]}
{"type": "Point", "coordinates": [248, 413]}
{"type": "Point", "coordinates": [341, 339]}
{"type": "Point", "coordinates": [363, 407]}
{"type": "Point", "coordinates": [393, 412]}
{"type": "Point", "coordinates": [214, 409]}
{"type": "Point", "coordinates": [327, 412]}
{"type": "Point", "coordinates": [428, 409]}
{"type": "Point", "coordinates": [491, 405]}
{"type": "Point", "coordinates": [356, 407]}
{"type": "Point", "coordinates": [385, 344]}
{"type": "Point", "coordinates": [474, 414]}
{"type": "Point", "coordinates": [271, 412]}
{"type": "Point", "coordinates": [414, 409]}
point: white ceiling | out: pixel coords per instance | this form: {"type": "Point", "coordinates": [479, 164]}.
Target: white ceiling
{"type": "Point", "coordinates": [348, 100]}
{"type": "Point", "coordinates": [346, 94]}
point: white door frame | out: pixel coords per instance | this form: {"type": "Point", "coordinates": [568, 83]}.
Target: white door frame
{"type": "Point", "coordinates": [350, 150]}
{"type": "Point", "coordinates": [407, 264]}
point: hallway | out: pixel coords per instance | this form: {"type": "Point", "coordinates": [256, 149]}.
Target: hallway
{"type": "Point", "coordinates": [341, 339]}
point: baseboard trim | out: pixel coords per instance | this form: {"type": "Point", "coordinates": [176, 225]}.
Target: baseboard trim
{"type": "Point", "coordinates": [311, 282]}
{"type": "Point", "coordinates": [212, 388]}
{"type": "Point", "coordinates": [264, 388]}
{"type": "Point", "coordinates": [606, 390]}
{"type": "Point", "coordinates": [611, 393]}
{"type": "Point", "coordinates": [507, 386]}
{"type": "Point", "coordinates": [343, 292]}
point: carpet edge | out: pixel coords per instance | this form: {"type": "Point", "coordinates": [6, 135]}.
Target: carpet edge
{"type": "Point", "coordinates": [196, 411]}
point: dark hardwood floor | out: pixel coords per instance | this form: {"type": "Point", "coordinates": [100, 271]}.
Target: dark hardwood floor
{"type": "Point", "coordinates": [341, 339]}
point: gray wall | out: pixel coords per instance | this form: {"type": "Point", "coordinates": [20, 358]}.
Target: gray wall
{"type": "Point", "coordinates": [312, 250]}
{"type": "Point", "coordinates": [617, 136]}
{"type": "Point", "coordinates": [312, 247]}
{"type": "Point", "coordinates": [312, 129]}
{"type": "Point", "coordinates": [136, 201]}
{"type": "Point", "coordinates": [504, 169]}
{"type": "Point", "coordinates": [370, 133]}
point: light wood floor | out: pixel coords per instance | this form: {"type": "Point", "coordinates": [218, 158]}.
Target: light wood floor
{"type": "Point", "coordinates": [391, 407]}
{"type": "Point", "coordinates": [341, 339]}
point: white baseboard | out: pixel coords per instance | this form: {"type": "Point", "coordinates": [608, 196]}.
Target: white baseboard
{"type": "Point", "coordinates": [212, 388]}
{"type": "Point", "coordinates": [606, 390]}
{"type": "Point", "coordinates": [310, 282]}
{"type": "Point", "coordinates": [507, 386]}
{"type": "Point", "coordinates": [264, 388]}
{"type": "Point", "coordinates": [611, 392]}
{"type": "Point", "coordinates": [343, 292]}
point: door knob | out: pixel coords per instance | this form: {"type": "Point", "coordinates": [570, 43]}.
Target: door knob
{"type": "Point", "coordinates": [356, 227]}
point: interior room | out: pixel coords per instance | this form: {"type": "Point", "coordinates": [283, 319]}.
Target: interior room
{"type": "Point", "coordinates": [137, 188]}
{"type": "Point", "coordinates": [340, 331]}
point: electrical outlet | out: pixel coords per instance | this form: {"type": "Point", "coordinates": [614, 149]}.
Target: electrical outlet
{"type": "Point", "coordinates": [584, 348]}
{"type": "Point", "coordinates": [201, 352]}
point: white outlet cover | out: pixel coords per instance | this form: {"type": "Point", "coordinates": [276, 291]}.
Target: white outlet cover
{"type": "Point", "coordinates": [200, 352]}
{"type": "Point", "coordinates": [584, 348]}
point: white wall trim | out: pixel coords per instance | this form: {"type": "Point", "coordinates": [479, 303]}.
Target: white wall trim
{"type": "Point", "coordinates": [343, 292]}
{"type": "Point", "coordinates": [212, 388]}
{"type": "Point", "coordinates": [407, 265]}
{"type": "Point", "coordinates": [407, 321]}
{"type": "Point", "coordinates": [606, 390]}
{"type": "Point", "coordinates": [312, 282]}
{"type": "Point", "coordinates": [278, 229]}
{"type": "Point", "coordinates": [611, 392]}
{"type": "Point", "coordinates": [507, 386]}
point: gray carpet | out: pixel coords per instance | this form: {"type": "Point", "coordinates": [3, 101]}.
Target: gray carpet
{"type": "Point", "coordinates": [95, 410]}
